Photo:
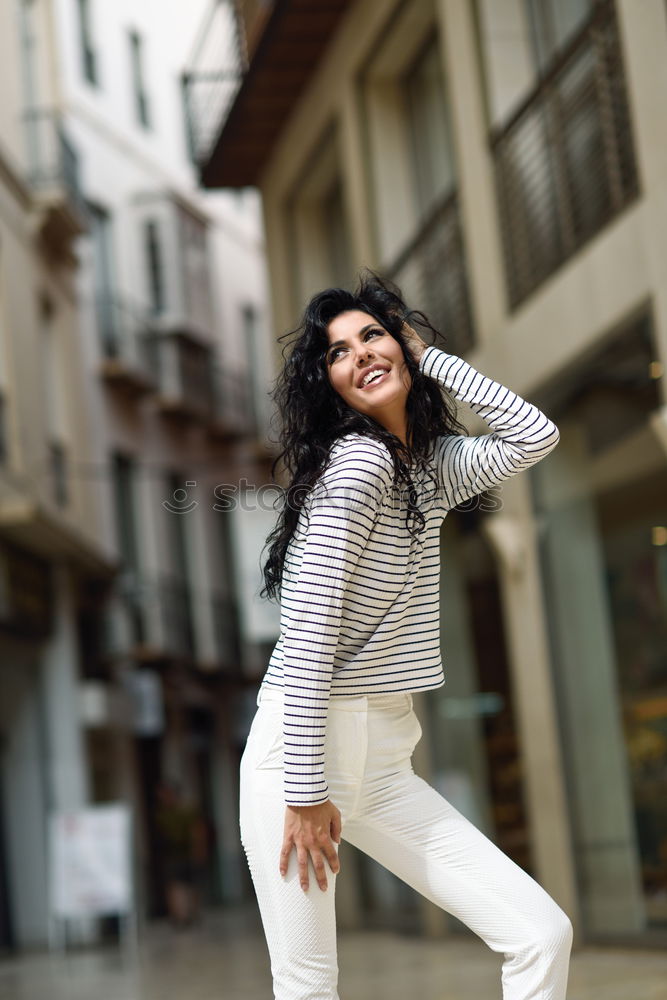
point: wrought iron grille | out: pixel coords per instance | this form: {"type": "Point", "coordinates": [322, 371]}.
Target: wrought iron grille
{"type": "Point", "coordinates": [212, 81]}
{"type": "Point", "coordinates": [124, 331]}
{"type": "Point", "coordinates": [182, 371]}
{"type": "Point", "coordinates": [565, 163]}
{"type": "Point", "coordinates": [233, 407]}
{"type": "Point", "coordinates": [52, 159]}
{"type": "Point", "coordinates": [431, 272]}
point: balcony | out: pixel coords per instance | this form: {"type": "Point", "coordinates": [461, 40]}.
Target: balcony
{"type": "Point", "coordinates": [233, 416]}
{"type": "Point", "coordinates": [218, 63]}
{"type": "Point", "coordinates": [235, 111]}
{"type": "Point", "coordinates": [150, 620]}
{"type": "Point", "coordinates": [431, 272]}
{"type": "Point", "coordinates": [564, 162]}
{"type": "Point", "coordinates": [126, 357]}
{"type": "Point", "coordinates": [183, 371]}
{"type": "Point", "coordinates": [53, 173]}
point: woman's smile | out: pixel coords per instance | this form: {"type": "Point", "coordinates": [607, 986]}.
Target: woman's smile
{"type": "Point", "coordinates": [375, 380]}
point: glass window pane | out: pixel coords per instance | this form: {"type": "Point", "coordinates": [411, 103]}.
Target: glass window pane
{"type": "Point", "coordinates": [430, 132]}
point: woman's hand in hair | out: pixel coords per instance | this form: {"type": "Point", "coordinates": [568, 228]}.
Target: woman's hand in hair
{"type": "Point", "coordinates": [312, 830]}
{"type": "Point", "coordinates": [413, 341]}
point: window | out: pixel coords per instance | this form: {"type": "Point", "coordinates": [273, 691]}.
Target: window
{"type": "Point", "coordinates": [88, 54]}
{"type": "Point", "coordinates": [551, 24]}
{"type": "Point", "coordinates": [140, 96]}
{"type": "Point", "coordinates": [250, 330]}
{"type": "Point", "coordinates": [154, 266]}
{"type": "Point", "coordinates": [564, 161]}
{"type": "Point", "coordinates": [429, 127]}
{"type": "Point", "coordinates": [318, 220]}
{"type": "Point", "coordinates": [54, 399]}
{"type": "Point", "coordinates": [517, 41]}
{"type": "Point", "coordinates": [193, 244]}
{"type": "Point", "coordinates": [105, 301]}
{"type": "Point", "coordinates": [123, 474]}
{"type": "Point", "coordinates": [176, 587]}
{"type": "Point", "coordinates": [3, 430]}
{"type": "Point", "coordinates": [337, 237]}
{"type": "Point", "coordinates": [4, 443]}
{"type": "Point", "coordinates": [59, 473]}
{"type": "Point", "coordinates": [123, 486]}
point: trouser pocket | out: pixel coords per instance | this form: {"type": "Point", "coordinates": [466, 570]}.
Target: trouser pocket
{"type": "Point", "coordinates": [264, 746]}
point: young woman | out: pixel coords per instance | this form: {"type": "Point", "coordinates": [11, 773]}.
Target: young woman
{"type": "Point", "coordinates": [376, 459]}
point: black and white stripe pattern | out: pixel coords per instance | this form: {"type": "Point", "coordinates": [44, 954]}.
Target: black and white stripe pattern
{"type": "Point", "coordinates": [360, 596]}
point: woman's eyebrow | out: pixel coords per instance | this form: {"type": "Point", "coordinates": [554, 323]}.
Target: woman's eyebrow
{"type": "Point", "coordinates": [339, 343]}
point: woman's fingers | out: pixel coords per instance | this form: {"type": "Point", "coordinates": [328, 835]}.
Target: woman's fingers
{"type": "Point", "coordinates": [308, 837]}
{"type": "Point", "coordinates": [332, 857]}
{"type": "Point", "coordinates": [302, 854]}
{"type": "Point", "coordinates": [320, 871]}
{"type": "Point", "coordinates": [302, 859]}
{"type": "Point", "coordinates": [285, 852]}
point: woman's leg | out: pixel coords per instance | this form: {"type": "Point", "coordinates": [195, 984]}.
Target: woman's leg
{"type": "Point", "coordinates": [300, 927]}
{"type": "Point", "coordinates": [408, 827]}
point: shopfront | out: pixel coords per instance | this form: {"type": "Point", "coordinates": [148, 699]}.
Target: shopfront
{"type": "Point", "coordinates": [601, 503]}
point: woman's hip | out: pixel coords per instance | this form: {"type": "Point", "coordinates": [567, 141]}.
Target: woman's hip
{"type": "Point", "coordinates": [365, 735]}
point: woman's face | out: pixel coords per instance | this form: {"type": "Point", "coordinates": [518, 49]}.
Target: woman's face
{"type": "Point", "coordinates": [357, 346]}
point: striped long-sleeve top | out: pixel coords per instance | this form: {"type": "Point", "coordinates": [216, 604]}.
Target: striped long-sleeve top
{"type": "Point", "coordinates": [360, 595]}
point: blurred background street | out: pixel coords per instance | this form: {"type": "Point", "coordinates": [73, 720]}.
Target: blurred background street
{"type": "Point", "coordinates": [175, 181]}
{"type": "Point", "coordinates": [225, 960]}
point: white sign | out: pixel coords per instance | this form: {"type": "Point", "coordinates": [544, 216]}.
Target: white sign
{"type": "Point", "coordinates": [90, 861]}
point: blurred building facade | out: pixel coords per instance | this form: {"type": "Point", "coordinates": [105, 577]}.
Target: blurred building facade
{"type": "Point", "coordinates": [133, 379]}
{"type": "Point", "coordinates": [504, 162]}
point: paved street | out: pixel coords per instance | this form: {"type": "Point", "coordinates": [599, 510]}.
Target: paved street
{"type": "Point", "coordinates": [225, 959]}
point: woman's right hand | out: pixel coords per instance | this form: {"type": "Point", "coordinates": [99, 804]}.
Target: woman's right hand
{"type": "Point", "coordinates": [312, 830]}
{"type": "Point", "coordinates": [413, 341]}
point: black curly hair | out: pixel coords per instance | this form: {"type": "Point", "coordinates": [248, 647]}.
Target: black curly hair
{"type": "Point", "coordinates": [314, 415]}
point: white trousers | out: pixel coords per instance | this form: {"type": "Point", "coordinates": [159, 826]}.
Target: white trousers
{"type": "Point", "coordinates": [397, 818]}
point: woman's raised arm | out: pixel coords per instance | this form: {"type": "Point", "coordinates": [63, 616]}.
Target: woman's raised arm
{"type": "Point", "coordinates": [521, 433]}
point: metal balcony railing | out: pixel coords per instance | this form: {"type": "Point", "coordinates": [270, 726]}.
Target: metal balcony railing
{"type": "Point", "coordinates": [431, 272]}
{"type": "Point", "coordinates": [183, 372]}
{"type": "Point", "coordinates": [213, 78]}
{"type": "Point", "coordinates": [233, 410]}
{"type": "Point", "coordinates": [124, 333]}
{"type": "Point", "coordinates": [564, 162]}
{"type": "Point", "coordinates": [151, 617]}
{"type": "Point", "coordinates": [53, 163]}
{"type": "Point", "coordinates": [177, 618]}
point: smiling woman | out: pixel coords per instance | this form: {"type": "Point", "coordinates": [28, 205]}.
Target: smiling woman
{"type": "Point", "coordinates": [355, 561]}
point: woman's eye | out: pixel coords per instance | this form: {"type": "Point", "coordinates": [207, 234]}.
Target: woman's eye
{"type": "Point", "coordinates": [334, 353]}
